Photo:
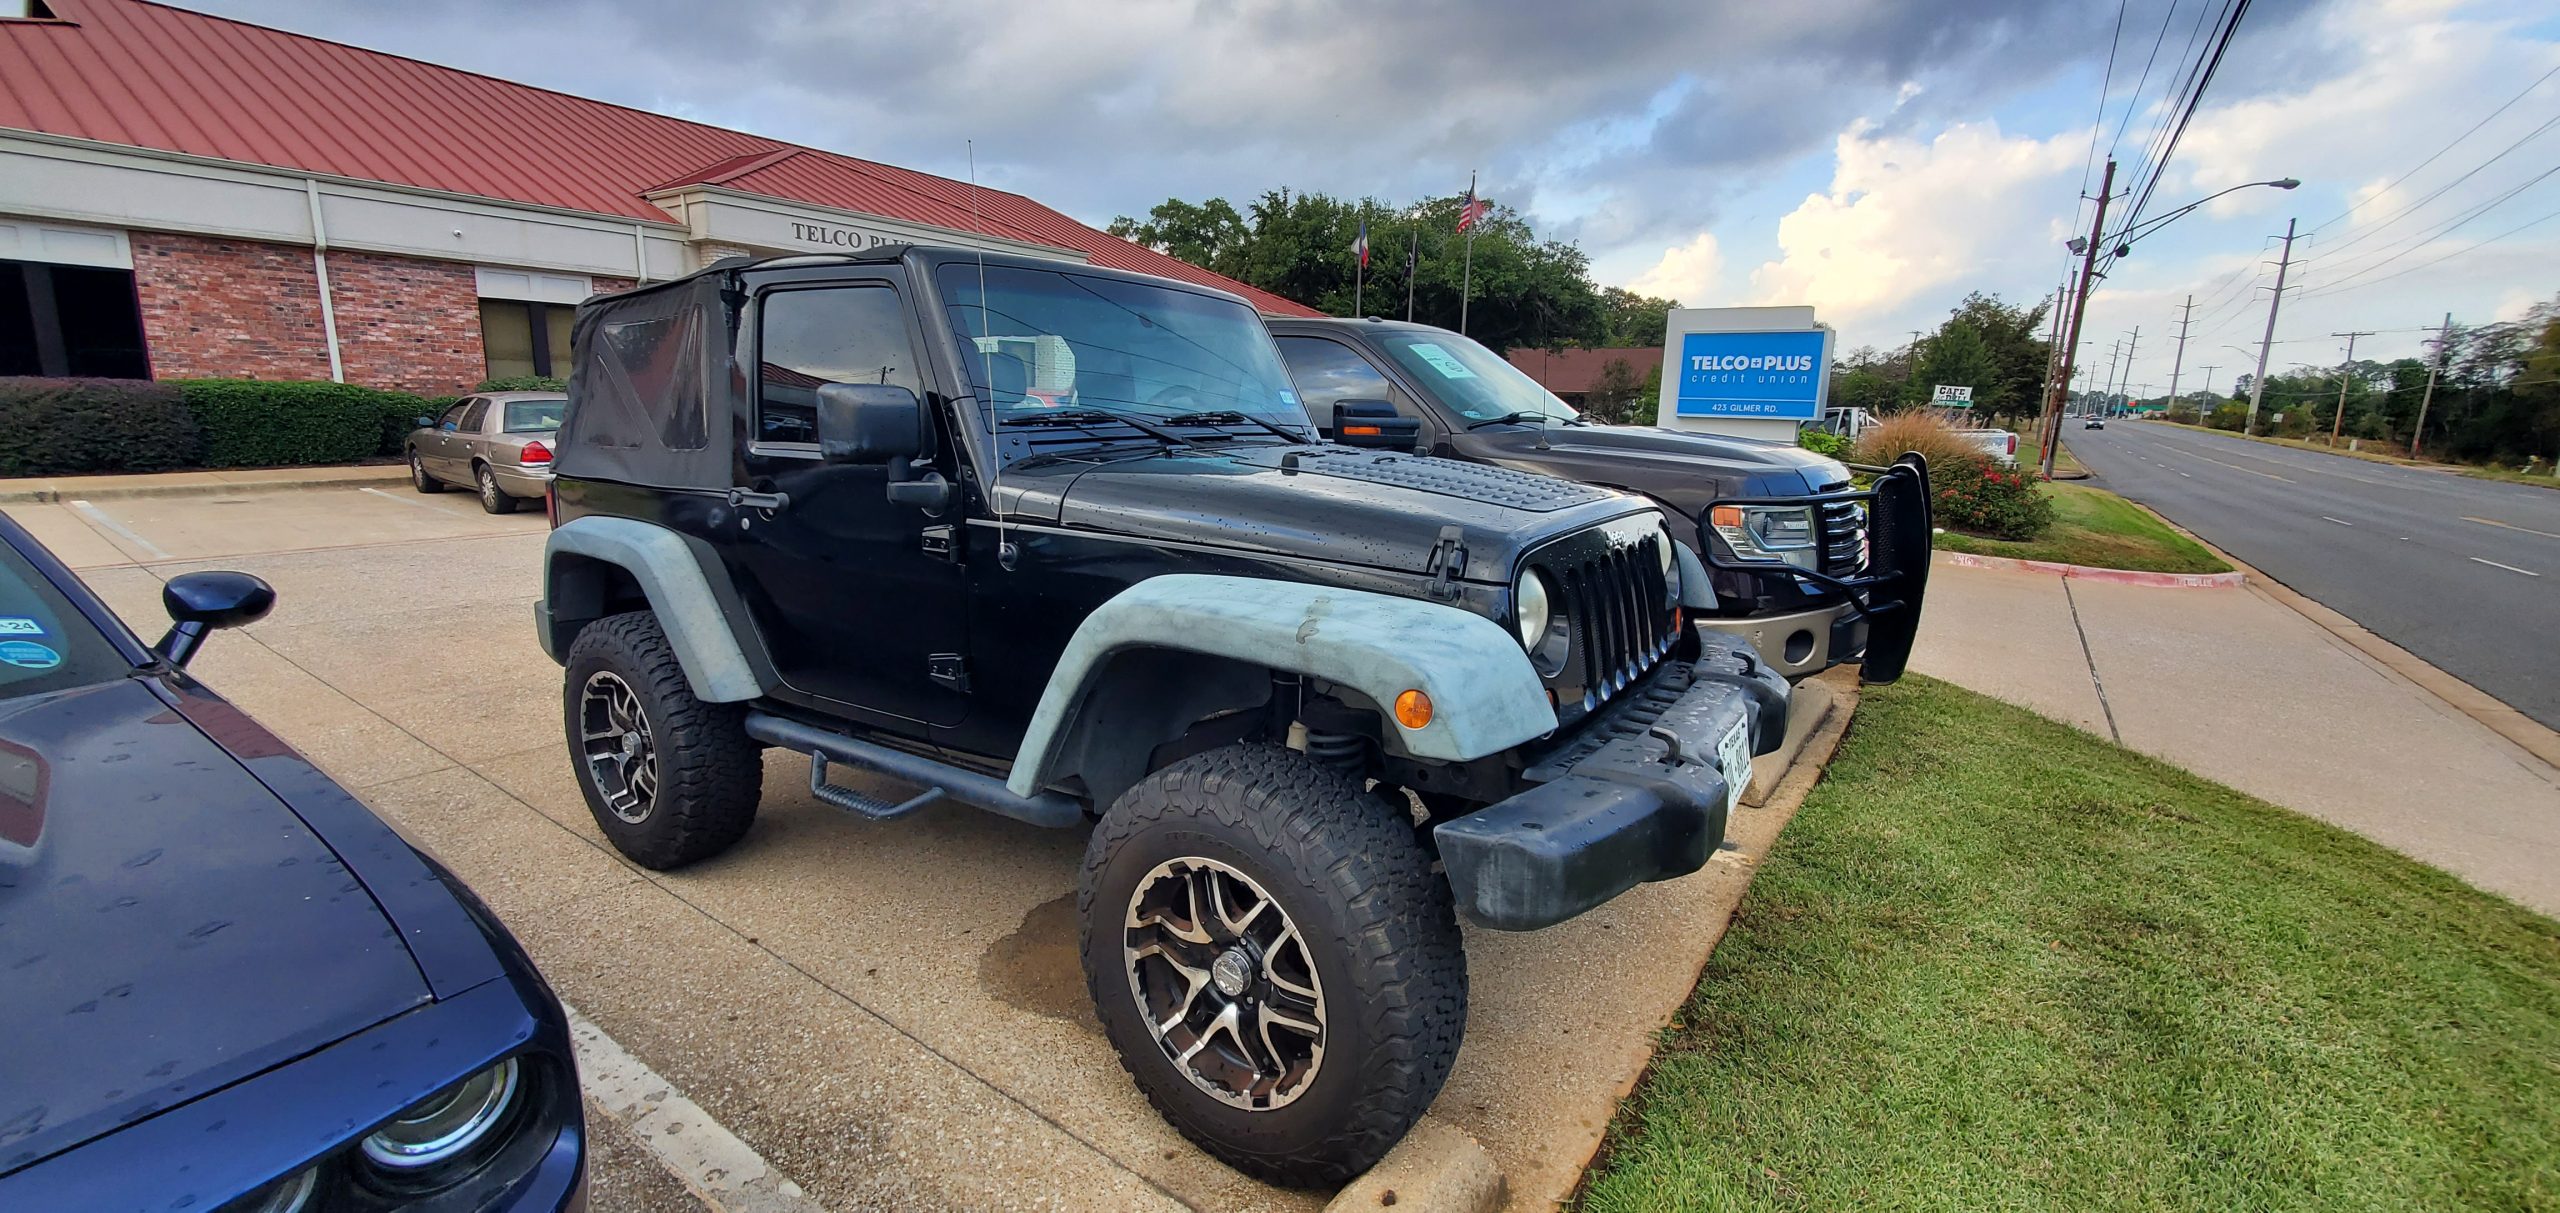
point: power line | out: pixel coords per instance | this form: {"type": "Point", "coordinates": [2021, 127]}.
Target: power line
{"type": "Point", "coordinates": [2439, 152]}
{"type": "Point", "coordinates": [2204, 79]}
{"type": "Point", "coordinates": [2447, 257]}
{"type": "Point", "coordinates": [2406, 211]}
{"type": "Point", "coordinates": [2408, 246]}
{"type": "Point", "coordinates": [2186, 76]}
{"type": "Point", "coordinates": [2135, 101]}
{"type": "Point", "coordinates": [2106, 82]}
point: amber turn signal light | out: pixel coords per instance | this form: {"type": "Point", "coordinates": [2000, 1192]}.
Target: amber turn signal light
{"type": "Point", "coordinates": [1413, 709]}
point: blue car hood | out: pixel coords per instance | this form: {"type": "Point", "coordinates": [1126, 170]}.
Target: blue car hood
{"type": "Point", "coordinates": [167, 925]}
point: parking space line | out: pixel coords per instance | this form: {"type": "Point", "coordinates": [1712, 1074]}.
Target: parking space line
{"type": "Point", "coordinates": [2509, 526]}
{"type": "Point", "coordinates": [394, 497]}
{"type": "Point", "coordinates": [699, 1151]}
{"type": "Point", "coordinates": [2508, 567]}
{"type": "Point", "coordinates": [2339, 521]}
{"type": "Point", "coordinates": [101, 518]}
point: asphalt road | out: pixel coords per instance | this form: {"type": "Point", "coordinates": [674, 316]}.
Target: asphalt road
{"type": "Point", "coordinates": [2462, 572]}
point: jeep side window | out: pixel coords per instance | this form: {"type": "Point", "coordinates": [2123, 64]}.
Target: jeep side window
{"type": "Point", "coordinates": [810, 338]}
{"type": "Point", "coordinates": [1329, 372]}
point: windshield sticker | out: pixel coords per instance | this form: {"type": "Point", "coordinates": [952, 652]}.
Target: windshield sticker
{"type": "Point", "coordinates": [1442, 361]}
{"type": "Point", "coordinates": [27, 654]}
{"type": "Point", "coordinates": [1288, 397]}
{"type": "Point", "coordinates": [19, 625]}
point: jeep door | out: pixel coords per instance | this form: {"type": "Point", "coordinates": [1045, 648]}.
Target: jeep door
{"type": "Point", "coordinates": [859, 601]}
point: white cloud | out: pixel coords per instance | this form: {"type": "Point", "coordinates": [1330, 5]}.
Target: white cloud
{"type": "Point", "coordinates": [1692, 273]}
{"type": "Point", "coordinates": [1906, 224]}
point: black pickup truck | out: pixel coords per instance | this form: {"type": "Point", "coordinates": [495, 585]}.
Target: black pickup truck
{"type": "Point", "coordinates": [1060, 543]}
{"type": "Point", "coordinates": [1793, 548]}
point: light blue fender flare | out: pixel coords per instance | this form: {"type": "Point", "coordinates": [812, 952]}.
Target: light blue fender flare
{"type": "Point", "coordinates": [1486, 698]}
{"type": "Point", "coordinates": [671, 576]}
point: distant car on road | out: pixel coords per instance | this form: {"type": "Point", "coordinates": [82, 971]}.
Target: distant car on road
{"type": "Point", "coordinates": [497, 444]}
{"type": "Point", "coordinates": [230, 986]}
{"type": "Point", "coordinates": [2094, 423]}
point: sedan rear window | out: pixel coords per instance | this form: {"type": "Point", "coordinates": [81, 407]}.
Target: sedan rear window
{"type": "Point", "coordinates": [539, 415]}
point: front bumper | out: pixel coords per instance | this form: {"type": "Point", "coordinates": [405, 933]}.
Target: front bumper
{"type": "Point", "coordinates": [1639, 793]}
{"type": "Point", "coordinates": [1798, 644]}
{"type": "Point", "coordinates": [1885, 595]}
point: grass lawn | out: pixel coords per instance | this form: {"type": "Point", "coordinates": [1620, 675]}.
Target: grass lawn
{"type": "Point", "coordinates": [2095, 527]}
{"type": "Point", "coordinates": [1996, 962]}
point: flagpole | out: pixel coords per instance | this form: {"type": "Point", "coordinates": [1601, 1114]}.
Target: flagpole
{"type": "Point", "coordinates": [1412, 259]}
{"type": "Point", "coordinates": [1360, 265]}
{"type": "Point", "coordinates": [1467, 280]}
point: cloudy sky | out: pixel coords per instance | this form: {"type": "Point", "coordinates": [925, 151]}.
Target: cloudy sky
{"type": "Point", "coordinates": [1875, 158]}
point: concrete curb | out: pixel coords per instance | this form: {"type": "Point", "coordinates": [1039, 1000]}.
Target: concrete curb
{"type": "Point", "coordinates": [2179, 581]}
{"type": "Point", "coordinates": [188, 484]}
{"type": "Point", "coordinates": [2528, 734]}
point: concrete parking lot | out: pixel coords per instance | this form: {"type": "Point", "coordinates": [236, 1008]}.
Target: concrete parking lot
{"type": "Point", "coordinates": [890, 1015]}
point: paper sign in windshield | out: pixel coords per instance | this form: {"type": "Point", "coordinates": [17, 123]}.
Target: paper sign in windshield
{"type": "Point", "coordinates": [19, 625]}
{"type": "Point", "coordinates": [1442, 361]}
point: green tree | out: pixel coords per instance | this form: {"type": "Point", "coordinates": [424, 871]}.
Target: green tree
{"type": "Point", "coordinates": [1631, 320]}
{"type": "Point", "coordinates": [1958, 355]}
{"type": "Point", "coordinates": [1614, 397]}
{"type": "Point", "coordinates": [1205, 234]}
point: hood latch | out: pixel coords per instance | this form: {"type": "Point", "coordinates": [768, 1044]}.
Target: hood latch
{"type": "Point", "coordinates": [1448, 562]}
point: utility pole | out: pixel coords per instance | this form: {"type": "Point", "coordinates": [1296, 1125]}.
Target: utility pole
{"type": "Point", "coordinates": [2129, 349]}
{"type": "Point", "coordinates": [2338, 421]}
{"type": "Point", "coordinates": [2258, 385]}
{"type": "Point", "coordinates": [2208, 393]}
{"type": "Point", "coordinates": [2053, 333]}
{"type": "Point", "coordinates": [2079, 313]}
{"type": "Point", "coordinates": [2444, 350]}
{"type": "Point", "coordinates": [2181, 360]}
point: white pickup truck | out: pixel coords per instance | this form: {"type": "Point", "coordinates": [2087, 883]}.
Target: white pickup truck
{"type": "Point", "coordinates": [2001, 445]}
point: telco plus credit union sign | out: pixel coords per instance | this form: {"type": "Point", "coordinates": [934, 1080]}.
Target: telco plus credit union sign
{"type": "Point", "coordinates": [1773, 375]}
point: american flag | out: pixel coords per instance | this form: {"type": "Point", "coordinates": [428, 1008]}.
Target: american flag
{"type": "Point", "coordinates": [1471, 212]}
{"type": "Point", "coordinates": [1360, 247]}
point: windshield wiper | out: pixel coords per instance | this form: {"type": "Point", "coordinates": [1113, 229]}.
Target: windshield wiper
{"type": "Point", "coordinates": [1233, 417]}
{"type": "Point", "coordinates": [1087, 417]}
{"type": "Point", "coordinates": [1517, 415]}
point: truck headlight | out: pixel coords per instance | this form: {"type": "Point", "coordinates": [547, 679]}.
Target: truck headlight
{"type": "Point", "coordinates": [1782, 533]}
{"type": "Point", "coordinates": [1531, 608]}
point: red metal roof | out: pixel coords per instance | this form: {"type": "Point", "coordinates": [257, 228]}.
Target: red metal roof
{"type": "Point", "coordinates": [147, 75]}
{"type": "Point", "coordinates": [1563, 371]}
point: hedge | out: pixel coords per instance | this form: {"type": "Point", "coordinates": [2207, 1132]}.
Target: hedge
{"type": "Point", "coordinates": [51, 427]}
{"type": "Point", "coordinates": [256, 423]}
{"type": "Point", "coordinates": [524, 383]}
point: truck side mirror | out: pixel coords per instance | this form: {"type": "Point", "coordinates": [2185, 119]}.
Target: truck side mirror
{"type": "Point", "coordinates": [869, 423]}
{"type": "Point", "coordinates": [1374, 423]}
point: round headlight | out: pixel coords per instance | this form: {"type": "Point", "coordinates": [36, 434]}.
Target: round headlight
{"type": "Point", "coordinates": [447, 1123]}
{"type": "Point", "coordinates": [291, 1194]}
{"type": "Point", "coordinates": [1530, 608]}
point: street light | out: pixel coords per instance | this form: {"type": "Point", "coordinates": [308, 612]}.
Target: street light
{"type": "Point", "coordinates": [2123, 240]}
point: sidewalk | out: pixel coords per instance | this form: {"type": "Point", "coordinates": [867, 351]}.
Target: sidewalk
{"type": "Point", "coordinates": [2239, 688]}
{"type": "Point", "coordinates": [180, 484]}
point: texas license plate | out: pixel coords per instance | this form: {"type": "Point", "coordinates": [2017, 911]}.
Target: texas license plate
{"type": "Point", "coordinates": [1733, 757]}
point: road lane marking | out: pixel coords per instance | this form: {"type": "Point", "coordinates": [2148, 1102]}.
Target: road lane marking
{"type": "Point", "coordinates": [2252, 471]}
{"type": "Point", "coordinates": [726, 1172]}
{"type": "Point", "coordinates": [100, 517]}
{"type": "Point", "coordinates": [2339, 521]}
{"type": "Point", "coordinates": [2508, 567]}
{"type": "Point", "coordinates": [2509, 526]}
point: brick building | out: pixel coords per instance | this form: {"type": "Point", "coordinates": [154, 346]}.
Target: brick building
{"type": "Point", "coordinates": [1571, 374]}
{"type": "Point", "coordinates": [183, 195]}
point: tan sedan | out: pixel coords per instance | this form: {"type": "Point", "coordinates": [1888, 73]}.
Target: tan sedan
{"type": "Point", "coordinates": [497, 443]}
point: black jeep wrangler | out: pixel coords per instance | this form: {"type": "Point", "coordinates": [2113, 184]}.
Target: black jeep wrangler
{"type": "Point", "coordinates": [1058, 542]}
{"type": "Point", "coordinates": [1784, 532]}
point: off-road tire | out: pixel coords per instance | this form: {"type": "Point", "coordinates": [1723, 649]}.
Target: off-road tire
{"type": "Point", "coordinates": [1380, 931]}
{"type": "Point", "coordinates": [420, 478]}
{"type": "Point", "coordinates": [492, 498]}
{"type": "Point", "coordinates": [710, 774]}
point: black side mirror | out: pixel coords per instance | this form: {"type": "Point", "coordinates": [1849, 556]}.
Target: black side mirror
{"type": "Point", "coordinates": [1374, 423]}
{"type": "Point", "coordinates": [869, 423]}
{"type": "Point", "coordinates": [198, 603]}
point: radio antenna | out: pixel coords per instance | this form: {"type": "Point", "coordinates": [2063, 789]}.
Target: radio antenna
{"type": "Point", "coordinates": [1005, 551]}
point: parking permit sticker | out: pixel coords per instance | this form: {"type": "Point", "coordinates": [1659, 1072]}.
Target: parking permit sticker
{"type": "Point", "coordinates": [1442, 361]}
{"type": "Point", "coordinates": [27, 654]}
{"type": "Point", "coordinates": [19, 625]}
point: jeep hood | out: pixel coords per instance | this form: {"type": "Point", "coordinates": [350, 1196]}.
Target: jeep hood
{"type": "Point", "coordinates": [1683, 470]}
{"type": "Point", "coordinates": [1335, 504]}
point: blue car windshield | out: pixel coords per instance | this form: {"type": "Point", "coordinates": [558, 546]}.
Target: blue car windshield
{"type": "Point", "coordinates": [1045, 342]}
{"type": "Point", "coordinates": [45, 643]}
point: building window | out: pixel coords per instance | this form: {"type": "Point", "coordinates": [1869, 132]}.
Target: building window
{"type": "Point", "coordinates": [70, 320]}
{"type": "Point", "coordinates": [524, 339]}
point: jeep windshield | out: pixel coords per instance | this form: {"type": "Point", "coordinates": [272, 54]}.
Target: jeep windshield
{"type": "Point", "coordinates": [1117, 361]}
{"type": "Point", "coordinates": [1473, 381]}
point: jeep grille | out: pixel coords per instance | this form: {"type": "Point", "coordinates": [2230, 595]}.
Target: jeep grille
{"type": "Point", "coordinates": [1618, 607]}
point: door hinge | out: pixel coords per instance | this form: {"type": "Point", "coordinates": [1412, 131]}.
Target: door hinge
{"type": "Point", "coordinates": [1447, 563]}
{"type": "Point", "coordinates": [937, 541]}
{"type": "Point", "coordinates": [949, 669]}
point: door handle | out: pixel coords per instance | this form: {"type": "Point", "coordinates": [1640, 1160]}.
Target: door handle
{"type": "Point", "coordinates": [749, 499]}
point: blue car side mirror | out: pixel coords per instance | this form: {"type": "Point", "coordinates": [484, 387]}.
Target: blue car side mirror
{"type": "Point", "coordinates": [198, 603]}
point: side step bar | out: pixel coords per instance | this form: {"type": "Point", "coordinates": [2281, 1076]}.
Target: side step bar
{"type": "Point", "coordinates": [940, 780]}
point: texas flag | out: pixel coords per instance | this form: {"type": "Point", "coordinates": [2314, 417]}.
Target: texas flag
{"type": "Point", "coordinates": [1472, 210]}
{"type": "Point", "coordinates": [1360, 247]}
